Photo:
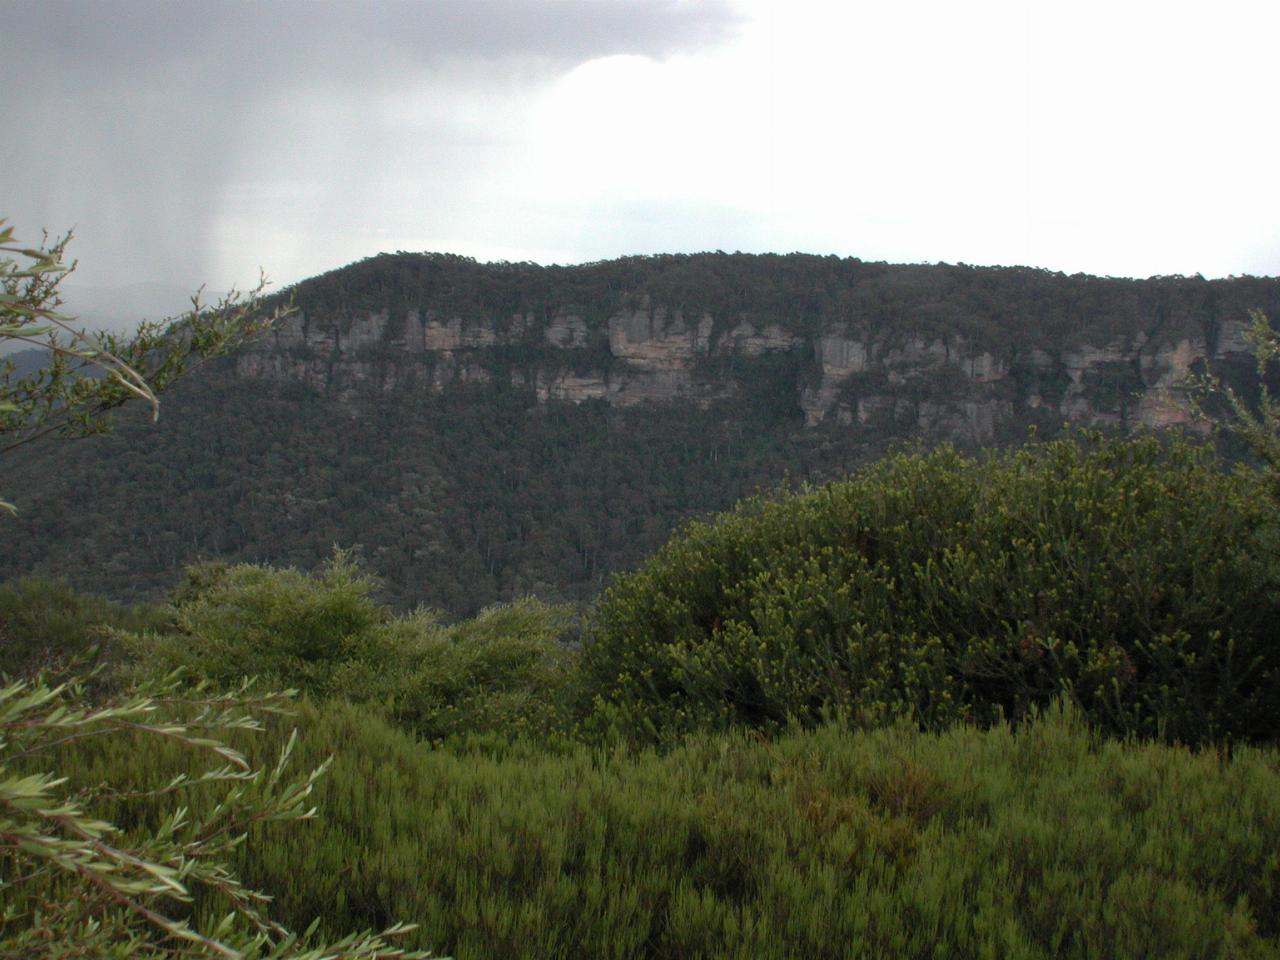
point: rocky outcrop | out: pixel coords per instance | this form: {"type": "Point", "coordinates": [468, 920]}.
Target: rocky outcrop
{"type": "Point", "coordinates": [849, 372]}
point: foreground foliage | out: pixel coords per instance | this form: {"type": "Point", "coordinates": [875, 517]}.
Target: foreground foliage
{"type": "Point", "coordinates": [1040, 841]}
{"type": "Point", "coordinates": [1251, 420]}
{"type": "Point", "coordinates": [1139, 580]}
{"type": "Point", "coordinates": [75, 885]}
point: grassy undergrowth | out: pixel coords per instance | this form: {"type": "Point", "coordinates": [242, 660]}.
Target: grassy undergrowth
{"type": "Point", "coordinates": [1028, 842]}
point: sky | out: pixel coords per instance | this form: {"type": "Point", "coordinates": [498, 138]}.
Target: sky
{"type": "Point", "coordinates": [197, 142]}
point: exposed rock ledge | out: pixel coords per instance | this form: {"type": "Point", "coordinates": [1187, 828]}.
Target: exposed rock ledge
{"type": "Point", "coordinates": [842, 374]}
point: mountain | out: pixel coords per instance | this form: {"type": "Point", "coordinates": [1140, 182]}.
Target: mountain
{"type": "Point", "coordinates": [952, 351]}
{"type": "Point", "coordinates": [481, 431]}
{"type": "Point", "coordinates": [25, 362]}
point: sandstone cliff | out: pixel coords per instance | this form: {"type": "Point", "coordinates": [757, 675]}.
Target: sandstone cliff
{"type": "Point", "coordinates": [925, 360]}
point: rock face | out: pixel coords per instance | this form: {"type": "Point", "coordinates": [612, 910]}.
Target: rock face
{"type": "Point", "coordinates": [850, 370]}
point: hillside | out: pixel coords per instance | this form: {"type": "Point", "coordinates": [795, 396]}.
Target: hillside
{"type": "Point", "coordinates": [483, 431]}
{"type": "Point", "coordinates": [25, 362]}
{"type": "Point", "coordinates": [950, 350]}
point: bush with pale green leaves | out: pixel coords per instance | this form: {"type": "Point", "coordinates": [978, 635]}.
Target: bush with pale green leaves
{"type": "Point", "coordinates": [502, 672]}
{"type": "Point", "coordinates": [1036, 842]}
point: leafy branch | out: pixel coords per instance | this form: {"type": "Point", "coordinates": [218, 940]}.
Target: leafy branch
{"type": "Point", "coordinates": [90, 374]}
{"type": "Point", "coordinates": [64, 869]}
{"type": "Point", "coordinates": [1257, 426]}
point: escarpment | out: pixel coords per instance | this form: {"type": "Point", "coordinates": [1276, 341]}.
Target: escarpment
{"type": "Point", "coordinates": [950, 351]}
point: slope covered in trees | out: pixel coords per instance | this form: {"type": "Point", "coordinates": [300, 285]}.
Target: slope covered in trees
{"type": "Point", "coordinates": [482, 492]}
{"type": "Point", "coordinates": [454, 501]}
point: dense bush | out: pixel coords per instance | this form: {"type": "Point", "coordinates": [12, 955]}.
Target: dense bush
{"type": "Point", "coordinates": [44, 623]}
{"type": "Point", "coordinates": [324, 634]}
{"type": "Point", "coordinates": [1032, 842]}
{"type": "Point", "coordinates": [125, 851]}
{"type": "Point", "coordinates": [1035, 841]}
{"type": "Point", "coordinates": [504, 672]}
{"type": "Point", "coordinates": [291, 629]}
{"type": "Point", "coordinates": [1135, 578]}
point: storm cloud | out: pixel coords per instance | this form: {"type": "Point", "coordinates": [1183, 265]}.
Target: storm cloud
{"type": "Point", "coordinates": [192, 142]}
{"type": "Point", "coordinates": [158, 129]}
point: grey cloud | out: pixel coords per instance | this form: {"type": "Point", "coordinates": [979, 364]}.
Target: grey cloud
{"type": "Point", "coordinates": [310, 40]}
{"type": "Point", "coordinates": [129, 118]}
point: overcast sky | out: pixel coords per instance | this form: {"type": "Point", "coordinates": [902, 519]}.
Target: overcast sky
{"type": "Point", "coordinates": [194, 142]}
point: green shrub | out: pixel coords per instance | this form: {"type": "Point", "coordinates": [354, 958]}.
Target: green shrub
{"type": "Point", "coordinates": [502, 672]}
{"type": "Point", "coordinates": [1136, 579]}
{"type": "Point", "coordinates": [1032, 842]}
{"type": "Point", "coordinates": [1040, 841]}
{"type": "Point", "coordinates": [289, 628]}
{"type": "Point", "coordinates": [45, 623]}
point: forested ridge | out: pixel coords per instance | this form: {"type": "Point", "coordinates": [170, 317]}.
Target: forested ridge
{"type": "Point", "coordinates": [454, 501]}
{"type": "Point", "coordinates": [998, 307]}
{"type": "Point", "coordinates": [478, 493]}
